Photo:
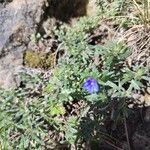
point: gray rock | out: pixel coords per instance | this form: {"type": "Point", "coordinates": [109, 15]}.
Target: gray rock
{"type": "Point", "coordinates": [19, 19]}
{"type": "Point", "coordinates": [8, 69]}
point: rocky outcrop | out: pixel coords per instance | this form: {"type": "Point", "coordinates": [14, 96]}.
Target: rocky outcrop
{"type": "Point", "coordinates": [18, 21]}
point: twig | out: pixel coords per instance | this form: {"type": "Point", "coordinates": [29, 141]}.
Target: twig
{"type": "Point", "coordinates": [126, 132]}
{"type": "Point", "coordinates": [117, 148]}
{"type": "Point", "coordinates": [56, 52]}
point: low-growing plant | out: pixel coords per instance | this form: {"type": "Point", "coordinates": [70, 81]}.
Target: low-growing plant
{"type": "Point", "coordinates": [115, 78]}
{"type": "Point", "coordinates": [40, 114]}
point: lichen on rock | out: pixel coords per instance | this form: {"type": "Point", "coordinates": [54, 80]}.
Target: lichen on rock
{"type": "Point", "coordinates": [39, 60]}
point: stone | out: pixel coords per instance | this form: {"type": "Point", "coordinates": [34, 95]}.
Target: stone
{"type": "Point", "coordinates": [92, 8]}
{"type": "Point", "coordinates": [19, 19]}
{"type": "Point", "coordinates": [8, 69]}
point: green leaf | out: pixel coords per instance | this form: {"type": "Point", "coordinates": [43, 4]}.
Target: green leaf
{"type": "Point", "coordinates": [113, 85]}
{"type": "Point", "coordinates": [146, 78]}
{"type": "Point", "coordinates": [135, 84]}
{"type": "Point", "coordinates": [57, 109]}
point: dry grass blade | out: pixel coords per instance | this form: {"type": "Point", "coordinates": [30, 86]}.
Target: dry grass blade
{"type": "Point", "coordinates": [139, 41]}
{"type": "Point", "coordinates": [144, 12]}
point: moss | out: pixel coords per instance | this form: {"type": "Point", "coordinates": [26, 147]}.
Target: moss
{"type": "Point", "coordinates": [39, 60]}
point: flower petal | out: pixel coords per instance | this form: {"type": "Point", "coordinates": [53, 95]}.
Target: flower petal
{"type": "Point", "coordinates": [91, 85]}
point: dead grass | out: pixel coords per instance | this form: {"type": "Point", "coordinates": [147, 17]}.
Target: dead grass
{"type": "Point", "coordinates": [138, 40]}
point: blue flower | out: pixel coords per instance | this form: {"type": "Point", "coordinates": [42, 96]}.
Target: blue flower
{"type": "Point", "coordinates": [91, 85]}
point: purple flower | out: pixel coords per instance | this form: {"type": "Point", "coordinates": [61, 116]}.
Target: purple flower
{"type": "Point", "coordinates": [91, 85]}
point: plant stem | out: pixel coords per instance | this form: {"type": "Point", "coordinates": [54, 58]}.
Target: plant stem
{"type": "Point", "coordinates": [126, 132]}
{"type": "Point", "coordinates": [117, 148]}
